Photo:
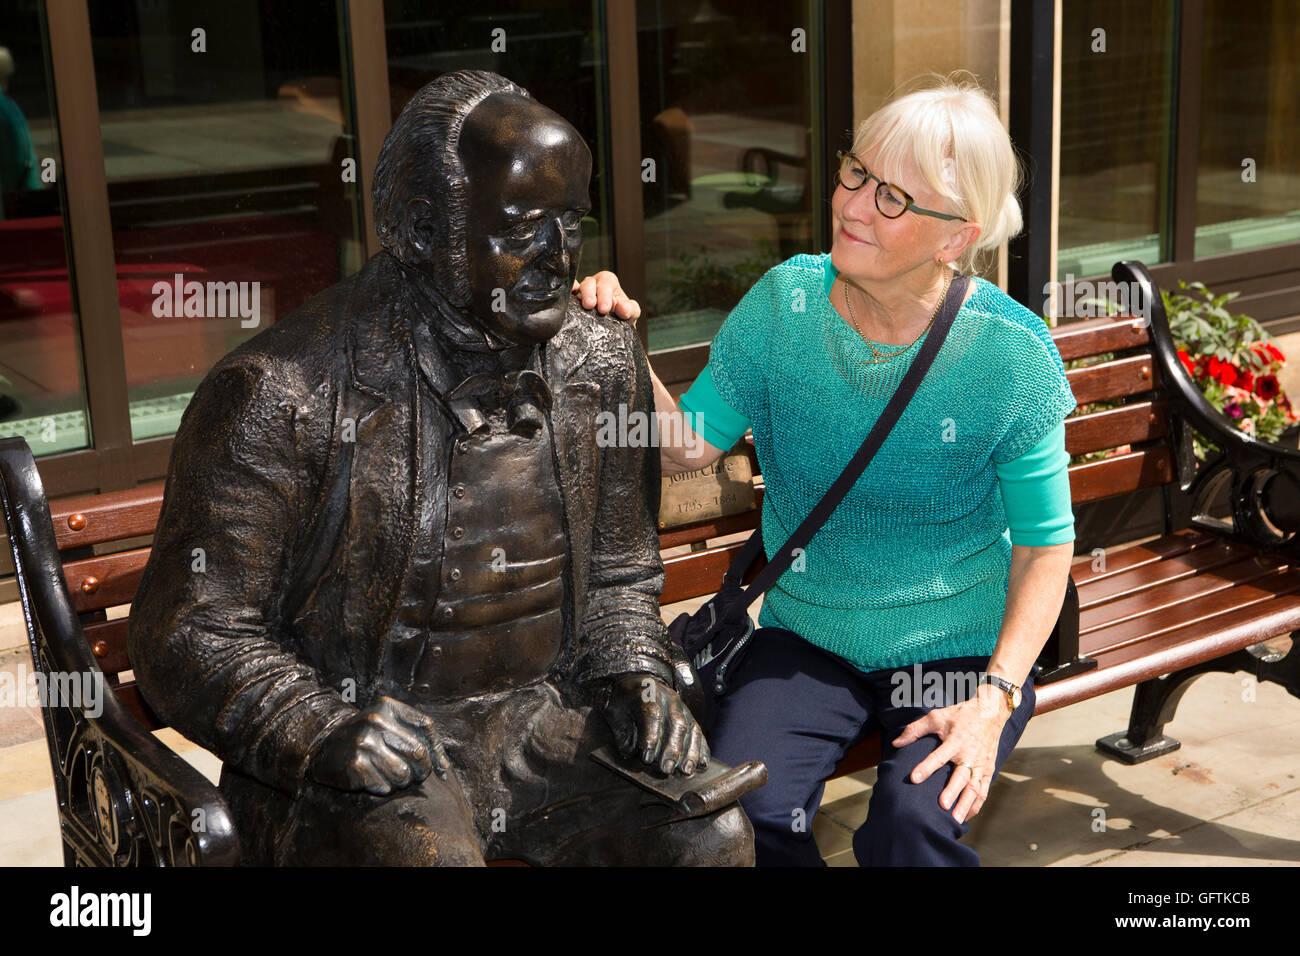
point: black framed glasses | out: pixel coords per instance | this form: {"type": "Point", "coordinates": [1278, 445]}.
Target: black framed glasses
{"type": "Point", "coordinates": [891, 201]}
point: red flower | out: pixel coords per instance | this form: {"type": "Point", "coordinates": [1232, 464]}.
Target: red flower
{"type": "Point", "coordinates": [1268, 352]}
{"type": "Point", "coordinates": [1187, 362]}
{"type": "Point", "coordinates": [1214, 366]}
{"type": "Point", "coordinates": [1267, 388]}
{"type": "Point", "coordinates": [1227, 373]}
{"type": "Point", "coordinates": [1247, 380]}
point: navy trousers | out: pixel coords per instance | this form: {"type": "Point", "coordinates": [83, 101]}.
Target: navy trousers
{"type": "Point", "coordinates": [799, 708]}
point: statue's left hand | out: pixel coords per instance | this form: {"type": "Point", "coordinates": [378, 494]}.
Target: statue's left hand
{"type": "Point", "coordinates": [603, 292]}
{"type": "Point", "coordinates": [649, 719]}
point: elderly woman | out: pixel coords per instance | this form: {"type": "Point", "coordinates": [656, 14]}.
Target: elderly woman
{"type": "Point", "coordinates": [920, 606]}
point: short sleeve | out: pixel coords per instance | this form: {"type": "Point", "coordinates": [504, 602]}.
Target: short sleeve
{"type": "Point", "coordinates": [709, 415]}
{"type": "Point", "coordinates": [1037, 396]}
{"type": "Point", "coordinates": [1036, 493]}
{"type": "Point", "coordinates": [738, 355]}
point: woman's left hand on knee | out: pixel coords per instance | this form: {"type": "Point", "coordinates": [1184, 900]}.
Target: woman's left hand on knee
{"type": "Point", "coordinates": [969, 733]}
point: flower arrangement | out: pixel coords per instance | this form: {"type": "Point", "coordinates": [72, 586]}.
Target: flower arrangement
{"type": "Point", "coordinates": [1232, 360]}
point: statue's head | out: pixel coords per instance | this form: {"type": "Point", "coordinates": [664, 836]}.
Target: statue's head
{"type": "Point", "coordinates": [482, 188]}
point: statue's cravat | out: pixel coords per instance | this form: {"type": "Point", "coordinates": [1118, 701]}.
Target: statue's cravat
{"type": "Point", "coordinates": [523, 397]}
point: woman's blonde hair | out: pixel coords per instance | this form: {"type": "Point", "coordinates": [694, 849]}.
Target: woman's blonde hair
{"type": "Point", "coordinates": [952, 133]}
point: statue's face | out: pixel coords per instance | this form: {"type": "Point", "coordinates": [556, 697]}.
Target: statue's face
{"type": "Point", "coordinates": [528, 172]}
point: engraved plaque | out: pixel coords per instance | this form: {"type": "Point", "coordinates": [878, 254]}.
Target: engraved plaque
{"type": "Point", "coordinates": [725, 487]}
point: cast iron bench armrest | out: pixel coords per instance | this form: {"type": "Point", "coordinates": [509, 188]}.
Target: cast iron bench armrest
{"type": "Point", "coordinates": [1265, 478]}
{"type": "Point", "coordinates": [124, 797]}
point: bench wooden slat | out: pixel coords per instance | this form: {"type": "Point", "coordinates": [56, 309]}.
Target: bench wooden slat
{"type": "Point", "coordinates": [1177, 592]}
{"type": "Point", "coordinates": [696, 574]}
{"type": "Point", "coordinates": [1132, 635]}
{"type": "Point", "coordinates": [1145, 421]}
{"type": "Point", "coordinates": [112, 636]}
{"type": "Point", "coordinates": [1096, 336]}
{"type": "Point", "coordinates": [118, 576]}
{"type": "Point", "coordinates": [1121, 474]}
{"type": "Point", "coordinates": [1123, 559]}
{"type": "Point", "coordinates": [1259, 621]}
{"type": "Point", "coordinates": [1178, 648]}
{"type": "Point", "coordinates": [108, 517]}
{"type": "Point", "coordinates": [1126, 376]}
{"type": "Point", "coordinates": [129, 694]}
{"type": "Point", "coordinates": [1150, 575]}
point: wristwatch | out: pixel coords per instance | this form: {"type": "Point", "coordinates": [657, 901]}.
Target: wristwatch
{"type": "Point", "coordinates": [1013, 691]}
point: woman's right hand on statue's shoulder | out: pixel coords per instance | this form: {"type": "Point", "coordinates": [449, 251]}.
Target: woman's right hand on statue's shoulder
{"type": "Point", "coordinates": [603, 293]}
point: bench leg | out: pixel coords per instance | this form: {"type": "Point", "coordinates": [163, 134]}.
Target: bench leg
{"type": "Point", "coordinates": [1156, 700]}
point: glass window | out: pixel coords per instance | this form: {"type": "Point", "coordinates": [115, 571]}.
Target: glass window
{"type": "Point", "coordinates": [41, 384]}
{"type": "Point", "coordinates": [726, 103]}
{"type": "Point", "coordinates": [1248, 171]}
{"type": "Point", "coordinates": [553, 48]}
{"type": "Point", "coordinates": [1116, 121]}
{"type": "Point", "coordinates": [227, 142]}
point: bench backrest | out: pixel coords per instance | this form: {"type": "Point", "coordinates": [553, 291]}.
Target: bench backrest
{"type": "Point", "coordinates": [103, 558]}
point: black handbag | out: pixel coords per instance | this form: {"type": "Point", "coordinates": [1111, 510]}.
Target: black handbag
{"type": "Point", "coordinates": [716, 638]}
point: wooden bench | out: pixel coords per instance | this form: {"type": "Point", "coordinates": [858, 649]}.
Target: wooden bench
{"type": "Point", "coordinates": [1205, 596]}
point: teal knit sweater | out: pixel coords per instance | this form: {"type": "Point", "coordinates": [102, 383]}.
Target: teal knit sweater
{"type": "Point", "coordinates": [913, 564]}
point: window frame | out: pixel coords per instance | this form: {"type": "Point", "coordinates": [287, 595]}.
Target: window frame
{"type": "Point", "coordinates": [1267, 276]}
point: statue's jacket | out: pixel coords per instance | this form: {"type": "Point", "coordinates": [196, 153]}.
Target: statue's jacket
{"type": "Point", "coordinates": [254, 632]}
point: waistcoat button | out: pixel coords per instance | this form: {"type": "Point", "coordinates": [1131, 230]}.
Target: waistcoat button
{"type": "Point", "coordinates": [455, 574]}
{"type": "Point", "coordinates": [458, 533]}
{"type": "Point", "coordinates": [459, 491]}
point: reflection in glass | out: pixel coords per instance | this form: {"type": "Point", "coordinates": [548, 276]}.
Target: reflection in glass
{"type": "Point", "coordinates": [555, 49]}
{"type": "Point", "coordinates": [1248, 171]}
{"type": "Point", "coordinates": [1116, 122]}
{"type": "Point", "coordinates": [41, 384]}
{"type": "Point", "coordinates": [227, 145]}
{"type": "Point", "coordinates": [726, 119]}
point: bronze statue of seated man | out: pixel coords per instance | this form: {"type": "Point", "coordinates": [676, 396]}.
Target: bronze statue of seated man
{"type": "Point", "coordinates": [426, 593]}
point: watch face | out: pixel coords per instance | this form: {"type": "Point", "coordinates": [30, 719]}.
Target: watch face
{"type": "Point", "coordinates": [1015, 699]}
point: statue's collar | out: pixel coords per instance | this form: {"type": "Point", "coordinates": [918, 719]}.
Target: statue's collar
{"type": "Point", "coordinates": [461, 362]}
{"type": "Point", "coordinates": [459, 329]}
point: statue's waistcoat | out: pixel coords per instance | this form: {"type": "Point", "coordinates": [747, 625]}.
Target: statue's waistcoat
{"type": "Point", "coordinates": [487, 617]}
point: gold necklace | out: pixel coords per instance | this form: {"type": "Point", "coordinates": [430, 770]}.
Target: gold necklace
{"type": "Point", "coordinates": [886, 356]}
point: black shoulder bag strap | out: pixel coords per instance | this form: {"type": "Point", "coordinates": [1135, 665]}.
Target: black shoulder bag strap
{"type": "Point", "coordinates": [853, 471]}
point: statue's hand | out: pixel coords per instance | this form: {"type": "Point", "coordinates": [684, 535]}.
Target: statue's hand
{"type": "Point", "coordinates": [603, 292]}
{"type": "Point", "coordinates": [650, 720]}
{"type": "Point", "coordinates": [387, 746]}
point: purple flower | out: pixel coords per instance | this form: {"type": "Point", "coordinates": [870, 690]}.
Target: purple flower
{"type": "Point", "coordinates": [1233, 409]}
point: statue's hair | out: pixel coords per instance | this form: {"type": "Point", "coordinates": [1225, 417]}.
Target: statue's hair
{"type": "Point", "coordinates": [420, 159]}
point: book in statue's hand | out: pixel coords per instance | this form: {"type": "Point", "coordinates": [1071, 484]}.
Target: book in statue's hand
{"type": "Point", "coordinates": [703, 792]}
